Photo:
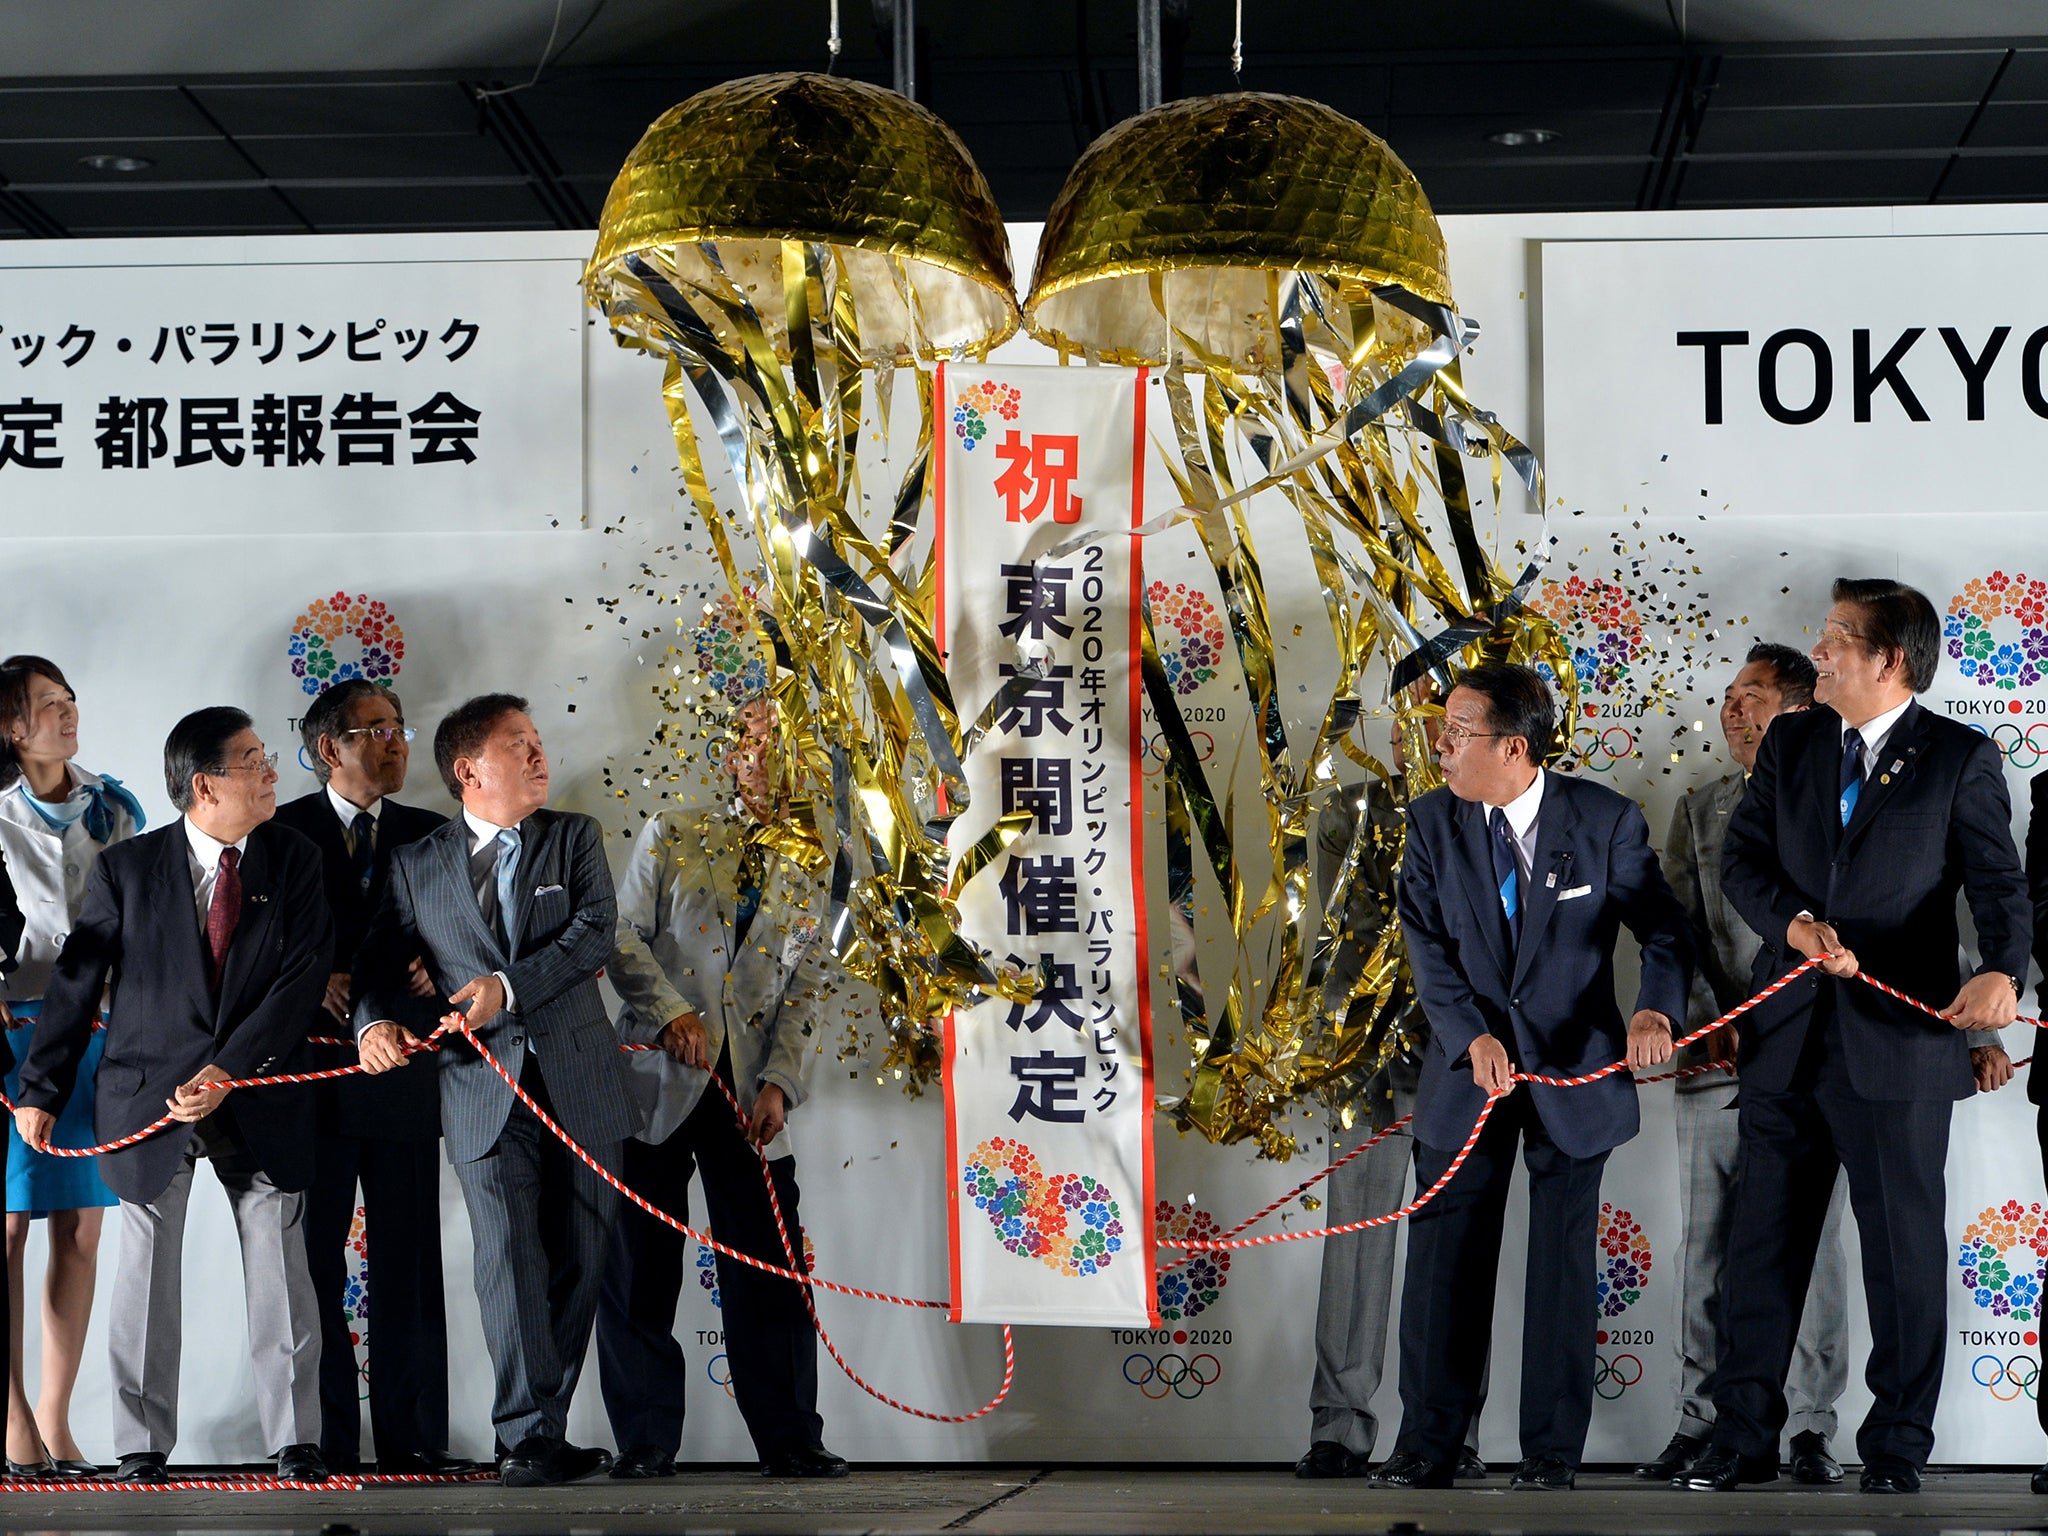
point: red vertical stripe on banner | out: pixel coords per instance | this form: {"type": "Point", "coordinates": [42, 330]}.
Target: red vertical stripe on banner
{"type": "Point", "coordinates": [942, 413]}
{"type": "Point", "coordinates": [1148, 1232]}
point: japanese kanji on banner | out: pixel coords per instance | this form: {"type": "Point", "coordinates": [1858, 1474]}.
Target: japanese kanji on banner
{"type": "Point", "coordinates": [1049, 1102]}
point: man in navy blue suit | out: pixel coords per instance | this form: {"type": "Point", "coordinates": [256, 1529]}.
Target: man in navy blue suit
{"type": "Point", "coordinates": [1514, 886]}
{"type": "Point", "coordinates": [1864, 820]}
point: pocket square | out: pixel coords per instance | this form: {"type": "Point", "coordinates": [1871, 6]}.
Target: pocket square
{"type": "Point", "coordinates": [545, 890]}
{"type": "Point", "coordinates": [1575, 891]}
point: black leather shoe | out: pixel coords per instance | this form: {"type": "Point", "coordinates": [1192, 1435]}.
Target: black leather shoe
{"type": "Point", "coordinates": [424, 1464]}
{"type": "Point", "coordinates": [644, 1461]}
{"type": "Point", "coordinates": [1675, 1458]}
{"type": "Point", "coordinates": [1550, 1471]}
{"type": "Point", "coordinates": [1889, 1474]}
{"type": "Point", "coordinates": [1470, 1468]}
{"type": "Point", "coordinates": [301, 1464]}
{"type": "Point", "coordinates": [1328, 1458]}
{"type": "Point", "coordinates": [1404, 1469]}
{"type": "Point", "coordinates": [1720, 1469]}
{"type": "Point", "coordinates": [1811, 1463]}
{"type": "Point", "coordinates": [2040, 1482]}
{"type": "Point", "coordinates": [541, 1461]}
{"type": "Point", "coordinates": [35, 1471]}
{"type": "Point", "coordinates": [84, 1469]}
{"type": "Point", "coordinates": [804, 1461]}
{"type": "Point", "coordinates": [142, 1467]}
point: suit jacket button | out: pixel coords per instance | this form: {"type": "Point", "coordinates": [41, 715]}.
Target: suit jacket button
{"type": "Point", "coordinates": [519, 1039]}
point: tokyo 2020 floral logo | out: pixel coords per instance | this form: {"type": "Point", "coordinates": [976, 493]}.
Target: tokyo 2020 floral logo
{"type": "Point", "coordinates": [977, 403]}
{"type": "Point", "coordinates": [1189, 1289]}
{"type": "Point", "coordinates": [2001, 1259]}
{"type": "Point", "coordinates": [1189, 634]}
{"type": "Point", "coordinates": [355, 1298]}
{"type": "Point", "coordinates": [1033, 1212]}
{"type": "Point", "coordinates": [1624, 1261]}
{"type": "Point", "coordinates": [1602, 625]}
{"type": "Point", "coordinates": [707, 1272]}
{"type": "Point", "coordinates": [341, 637]}
{"type": "Point", "coordinates": [728, 652]}
{"type": "Point", "coordinates": [1997, 630]}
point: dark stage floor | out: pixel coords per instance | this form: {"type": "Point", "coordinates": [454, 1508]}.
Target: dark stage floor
{"type": "Point", "coordinates": [1064, 1500]}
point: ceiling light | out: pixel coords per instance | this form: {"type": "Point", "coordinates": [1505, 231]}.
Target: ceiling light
{"type": "Point", "coordinates": [1522, 138]}
{"type": "Point", "coordinates": [122, 164]}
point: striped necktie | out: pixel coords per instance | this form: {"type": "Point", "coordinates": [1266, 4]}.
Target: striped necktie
{"type": "Point", "coordinates": [1507, 875]}
{"type": "Point", "coordinates": [1852, 771]}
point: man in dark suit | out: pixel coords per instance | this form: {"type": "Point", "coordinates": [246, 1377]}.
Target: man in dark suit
{"type": "Point", "coordinates": [2037, 1075]}
{"type": "Point", "coordinates": [384, 1131]}
{"type": "Point", "coordinates": [1515, 883]}
{"type": "Point", "coordinates": [512, 906]}
{"type": "Point", "coordinates": [216, 939]}
{"type": "Point", "coordinates": [1863, 819]}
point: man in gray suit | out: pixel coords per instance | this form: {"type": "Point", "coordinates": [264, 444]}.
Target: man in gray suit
{"type": "Point", "coordinates": [512, 907]}
{"type": "Point", "coordinates": [1357, 1289]}
{"type": "Point", "coordinates": [1774, 679]}
{"type": "Point", "coordinates": [718, 962]}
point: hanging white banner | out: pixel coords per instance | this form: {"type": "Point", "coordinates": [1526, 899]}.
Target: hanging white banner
{"type": "Point", "coordinates": [1049, 1102]}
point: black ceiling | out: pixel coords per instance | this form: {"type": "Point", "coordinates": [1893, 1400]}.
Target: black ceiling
{"type": "Point", "coordinates": [1643, 117]}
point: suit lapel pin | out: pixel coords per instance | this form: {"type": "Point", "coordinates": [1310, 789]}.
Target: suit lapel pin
{"type": "Point", "coordinates": [1551, 882]}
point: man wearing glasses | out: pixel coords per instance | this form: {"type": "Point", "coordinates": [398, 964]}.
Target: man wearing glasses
{"type": "Point", "coordinates": [1515, 883]}
{"type": "Point", "coordinates": [382, 1132]}
{"type": "Point", "coordinates": [1863, 820]}
{"type": "Point", "coordinates": [216, 938]}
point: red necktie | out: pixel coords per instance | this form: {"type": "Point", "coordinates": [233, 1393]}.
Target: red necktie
{"type": "Point", "coordinates": [224, 911]}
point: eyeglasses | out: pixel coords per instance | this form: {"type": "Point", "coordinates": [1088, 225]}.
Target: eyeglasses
{"type": "Point", "coordinates": [266, 764]}
{"type": "Point", "coordinates": [384, 733]}
{"type": "Point", "coordinates": [1457, 736]}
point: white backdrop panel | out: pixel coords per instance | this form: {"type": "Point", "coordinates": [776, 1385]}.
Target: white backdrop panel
{"type": "Point", "coordinates": [505, 595]}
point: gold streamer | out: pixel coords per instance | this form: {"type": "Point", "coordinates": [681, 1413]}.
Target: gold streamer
{"type": "Point", "coordinates": [788, 244]}
{"type": "Point", "coordinates": [1253, 247]}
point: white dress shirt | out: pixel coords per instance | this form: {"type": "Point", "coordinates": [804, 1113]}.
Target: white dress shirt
{"type": "Point", "coordinates": [202, 859]}
{"type": "Point", "coordinates": [1521, 813]}
{"type": "Point", "coordinates": [1874, 731]}
{"type": "Point", "coordinates": [348, 811]}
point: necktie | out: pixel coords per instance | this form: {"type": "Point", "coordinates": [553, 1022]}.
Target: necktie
{"type": "Point", "coordinates": [508, 867]}
{"type": "Point", "coordinates": [362, 854]}
{"type": "Point", "coordinates": [224, 911]}
{"type": "Point", "coordinates": [750, 895]}
{"type": "Point", "coordinates": [1852, 772]}
{"type": "Point", "coordinates": [1507, 874]}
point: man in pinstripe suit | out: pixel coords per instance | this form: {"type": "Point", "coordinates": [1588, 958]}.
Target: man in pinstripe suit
{"type": "Point", "coordinates": [513, 907]}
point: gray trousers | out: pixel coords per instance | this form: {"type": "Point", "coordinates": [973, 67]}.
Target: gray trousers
{"type": "Point", "coordinates": [542, 1224]}
{"type": "Point", "coordinates": [145, 1324]}
{"type": "Point", "coordinates": [1707, 1146]}
{"type": "Point", "coordinates": [1358, 1286]}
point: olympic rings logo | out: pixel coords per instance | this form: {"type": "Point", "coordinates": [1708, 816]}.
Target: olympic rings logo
{"type": "Point", "coordinates": [719, 1378]}
{"type": "Point", "coordinates": [2034, 746]}
{"type": "Point", "coordinates": [1154, 751]}
{"type": "Point", "coordinates": [1600, 749]}
{"type": "Point", "coordinates": [2021, 1373]}
{"type": "Point", "coordinates": [1172, 1375]}
{"type": "Point", "coordinates": [1620, 1373]}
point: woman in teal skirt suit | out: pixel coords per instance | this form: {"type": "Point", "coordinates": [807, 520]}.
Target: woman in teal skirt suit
{"type": "Point", "coordinates": [55, 818]}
